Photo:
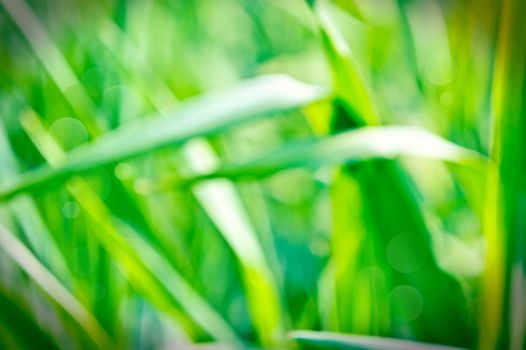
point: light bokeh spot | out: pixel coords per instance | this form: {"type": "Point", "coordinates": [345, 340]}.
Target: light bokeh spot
{"type": "Point", "coordinates": [70, 210]}
{"type": "Point", "coordinates": [406, 303]}
{"type": "Point", "coordinates": [70, 132]}
{"type": "Point", "coordinates": [123, 171]}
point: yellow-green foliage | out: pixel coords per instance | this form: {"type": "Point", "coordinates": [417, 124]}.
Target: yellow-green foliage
{"type": "Point", "coordinates": [281, 174]}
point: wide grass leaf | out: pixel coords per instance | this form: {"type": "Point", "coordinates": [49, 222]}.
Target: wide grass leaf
{"type": "Point", "coordinates": [348, 147]}
{"type": "Point", "coordinates": [502, 319]}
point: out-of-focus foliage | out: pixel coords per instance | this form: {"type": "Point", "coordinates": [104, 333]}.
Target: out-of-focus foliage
{"type": "Point", "coordinates": [218, 173]}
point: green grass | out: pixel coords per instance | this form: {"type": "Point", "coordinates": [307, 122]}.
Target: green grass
{"type": "Point", "coordinates": [210, 174]}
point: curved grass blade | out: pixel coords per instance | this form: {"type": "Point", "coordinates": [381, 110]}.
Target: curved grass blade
{"type": "Point", "coordinates": [335, 341]}
{"type": "Point", "coordinates": [224, 206]}
{"type": "Point", "coordinates": [359, 145]}
{"type": "Point", "coordinates": [202, 116]}
{"type": "Point", "coordinates": [347, 147]}
{"type": "Point", "coordinates": [23, 257]}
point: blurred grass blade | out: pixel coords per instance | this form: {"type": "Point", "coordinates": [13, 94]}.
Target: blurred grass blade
{"type": "Point", "coordinates": [45, 280]}
{"type": "Point", "coordinates": [503, 312]}
{"type": "Point", "coordinates": [347, 147]}
{"type": "Point", "coordinates": [352, 146]}
{"type": "Point", "coordinates": [416, 283]}
{"type": "Point", "coordinates": [202, 116]}
{"type": "Point", "coordinates": [334, 341]}
{"type": "Point", "coordinates": [146, 270]}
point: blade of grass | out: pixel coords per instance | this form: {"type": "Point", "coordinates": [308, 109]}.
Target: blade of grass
{"type": "Point", "coordinates": [339, 281]}
{"type": "Point", "coordinates": [335, 341]}
{"type": "Point", "coordinates": [503, 312]}
{"type": "Point", "coordinates": [222, 203]}
{"type": "Point", "coordinates": [347, 147]}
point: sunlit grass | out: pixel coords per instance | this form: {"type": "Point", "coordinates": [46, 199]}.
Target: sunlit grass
{"type": "Point", "coordinates": [262, 174]}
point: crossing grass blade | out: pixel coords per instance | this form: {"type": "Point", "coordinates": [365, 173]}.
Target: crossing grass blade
{"type": "Point", "coordinates": [353, 146]}
{"type": "Point", "coordinates": [502, 317]}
